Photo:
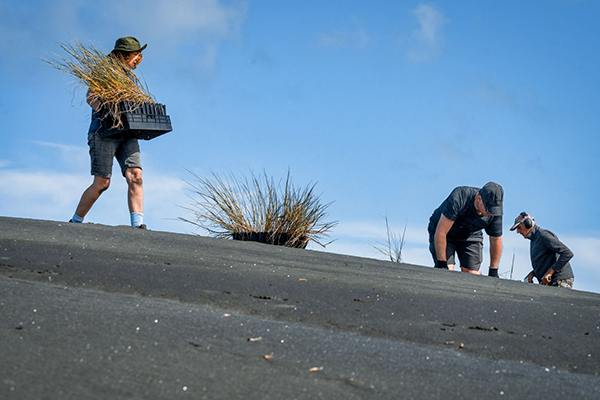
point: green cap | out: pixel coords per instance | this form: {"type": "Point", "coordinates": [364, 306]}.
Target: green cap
{"type": "Point", "coordinates": [128, 44]}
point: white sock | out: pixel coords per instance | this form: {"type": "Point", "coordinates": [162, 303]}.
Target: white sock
{"type": "Point", "coordinates": [137, 219]}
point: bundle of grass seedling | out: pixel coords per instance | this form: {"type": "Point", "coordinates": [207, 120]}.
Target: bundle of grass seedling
{"type": "Point", "coordinates": [109, 80]}
{"type": "Point", "coordinates": [259, 209]}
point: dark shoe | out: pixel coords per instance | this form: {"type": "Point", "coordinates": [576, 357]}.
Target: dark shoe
{"type": "Point", "coordinates": [142, 226]}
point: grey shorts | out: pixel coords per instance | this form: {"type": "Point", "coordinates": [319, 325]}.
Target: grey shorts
{"type": "Point", "coordinates": [103, 150]}
{"type": "Point", "coordinates": [469, 250]}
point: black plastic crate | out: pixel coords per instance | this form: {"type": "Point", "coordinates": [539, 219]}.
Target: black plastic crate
{"type": "Point", "coordinates": [140, 120]}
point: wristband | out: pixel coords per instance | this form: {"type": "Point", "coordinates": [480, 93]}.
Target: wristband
{"type": "Point", "coordinates": [441, 264]}
{"type": "Point", "coordinates": [493, 272]}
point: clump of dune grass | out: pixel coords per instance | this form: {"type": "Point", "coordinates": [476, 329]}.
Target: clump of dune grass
{"type": "Point", "coordinates": [258, 207]}
{"type": "Point", "coordinates": [393, 244]}
{"type": "Point", "coordinates": [108, 79]}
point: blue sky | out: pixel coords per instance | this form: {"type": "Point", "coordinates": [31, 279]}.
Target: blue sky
{"type": "Point", "coordinates": [387, 105]}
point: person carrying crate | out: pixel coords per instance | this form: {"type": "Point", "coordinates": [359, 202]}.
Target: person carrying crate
{"type": "Point", "coordinates": [104, 149]}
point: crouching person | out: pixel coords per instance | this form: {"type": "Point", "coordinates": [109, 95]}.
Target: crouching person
{"type": "Point", "coordinates": [456, 225]}
{"type": "Point", "coordinates": [549, 256]}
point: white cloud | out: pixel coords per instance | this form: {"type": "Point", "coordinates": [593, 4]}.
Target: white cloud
{"type": "Point", "coordinates": [73, 156]}
{"type": "Point", "coordinates": [426, 41]}
{"type": "Point", "coordinates": [359, 229]}
{"type": "Point", "coordinates": [354, 36]}
{"type": "Point", "coordinates": [53, 195]}
{"type": "Point", "coordinates": [332, 39]}
{"type": "Point", "coordinates": [585, 262]}
{"type": "Point", "coordinates": [487, 91]}
{"type": "Point", "coordinates": [40, 194]}
{"type": "Point", "coordinates": [586, 250]}
{"type": "Point", "coordinates": [372, 229]}
{"type": "Point", "coordinates": [192, 30]}
{"type": "Point", "coordinates": [182, 17]}
{"type": "Point", "coordinates": [363, 238]}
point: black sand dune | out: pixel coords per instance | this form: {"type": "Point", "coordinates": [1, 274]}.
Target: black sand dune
{"type": "Point", "coordinates": [98, 312]}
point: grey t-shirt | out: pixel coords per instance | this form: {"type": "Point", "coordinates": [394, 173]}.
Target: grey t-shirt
{"type": "Point", "coordinates": [460, 208]}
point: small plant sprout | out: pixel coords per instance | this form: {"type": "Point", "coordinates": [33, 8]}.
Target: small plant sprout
{"type": "Point", "coordinates": [258, 208]}
{"type": "Point", "coordinates": [392, 246]}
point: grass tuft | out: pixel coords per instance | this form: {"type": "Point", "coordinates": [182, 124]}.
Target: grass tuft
{"type": "Point", "coordinates": [237, 207]}
{"type": "Point", "coordinates": [108, 79]}
{"type": "Point", "coordinates": [392, 246]}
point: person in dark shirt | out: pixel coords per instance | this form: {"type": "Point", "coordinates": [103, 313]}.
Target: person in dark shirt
{"type": "Point", "coordinates": [549, 256]}
{"type": "Point", "coordinates": [456, 225]}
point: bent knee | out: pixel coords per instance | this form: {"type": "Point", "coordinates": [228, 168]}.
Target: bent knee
{"type": "Point", "coordinates": [134, 176]}
{"type": "Point", "coordinates": [101, 184]}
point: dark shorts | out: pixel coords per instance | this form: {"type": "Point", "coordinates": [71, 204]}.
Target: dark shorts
{"type": "Point", "coordinates": [103, 150]}
{"type": "Point", "coordinates": [469, 250]}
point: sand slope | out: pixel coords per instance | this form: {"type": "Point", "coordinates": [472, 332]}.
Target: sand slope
{"type": "Point", "coordinates": [98, 312]}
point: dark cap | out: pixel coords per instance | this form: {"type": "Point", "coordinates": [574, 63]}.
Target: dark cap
{"type": "Point", "coordinates": [128, 44]}
{"type": "Point", "coordinates": [492, 195]}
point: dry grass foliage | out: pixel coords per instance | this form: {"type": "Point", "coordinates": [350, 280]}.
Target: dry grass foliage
{"type": "Point", "coordinates": [392, 246]}
{"type": "Point", "coordinates": [109, 80]}
{"type": "Point", "coordinates": [235, 207]}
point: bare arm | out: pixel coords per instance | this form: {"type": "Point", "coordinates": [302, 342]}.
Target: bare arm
{"type": "Point", "coordinates": [495, 251]}
{"type": "Point", "coordinates": [443, 227]}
